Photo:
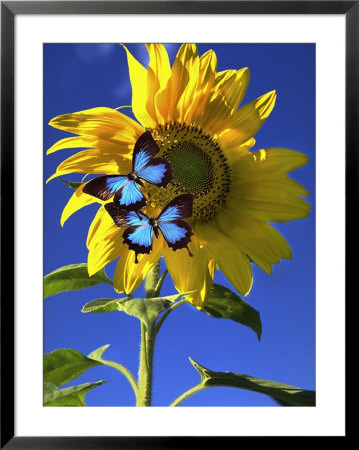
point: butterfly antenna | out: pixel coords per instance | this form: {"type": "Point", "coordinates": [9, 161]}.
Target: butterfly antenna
{"type": "Point", "coordinates": [189, 251]}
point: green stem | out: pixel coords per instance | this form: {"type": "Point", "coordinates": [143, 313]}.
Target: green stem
{"type": "Point", "coordinates": [152, 280]}
{"type": "Point", "coordinates": [147, 344]}
{"type": "Point", "coordinates": [188, 393]}
{"type": "Point", "coordinates": [146, 364]}
{"type": "Point", "coordinates": [160, 281]}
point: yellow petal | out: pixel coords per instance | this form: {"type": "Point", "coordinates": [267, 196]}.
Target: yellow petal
{"type": "Point", "coordinates": [207, 71]}
{"type": "Point", "coordinates": [128, 276]}
{"type": "Point", "coordinates": [261, 189]}
{"type": "Point", "coordinates": [138, 77]}
{"type": "Point", "coordinates": [159, 72]}
{"type": "Point", "coordinates": [105, 123]}
{"type": "Point", "coordinates": [191, 273]}
{"type": "Point", "coordinates": [101, 228]}
{"type": "Point", "coordinates": [277, 201]}
{"type": "Point", "coordinates": [93, 161]}
{"type": "Point", "coordinates": [105, 251]}
{"type": "Point", "coordinates": [269, 163]}
{"type": "Point", "coordinates": [185, 73]}
{"type": "Point", "coordinates": [259, 240]}
{"type": "Point", "coordinates": [72, 142]}
{"type": "Point", "coordinates": [234, 152]}
{"type": "Point", "coordinates": [159, 63]}
{"type": "Point", "coordinates": [175, 100]}
{"type": "Point", "coordinates": [233, 262]}
{"type": "Point", "coordinates": [77, 201]}
{"type": "Point", "coordinates": [93, 143]}
{"type": "Point", "coordinates": [232, 84]}
{"type": "Point", "coordinates": [216, 117]}
{"type": "Point", "coordinates": [247, 121]}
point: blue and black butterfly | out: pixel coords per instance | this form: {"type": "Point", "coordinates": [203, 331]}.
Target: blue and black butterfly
{"type": "Point", "coordinates": [140, 228]}
{"type": "Point", "coordinates": [126, 188]}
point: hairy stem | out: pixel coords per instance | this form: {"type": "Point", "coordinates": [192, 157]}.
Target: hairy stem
{"type": "Point", "coordinates": [199, 387]}
{"type": "Point", "coordinates": [146, 364]}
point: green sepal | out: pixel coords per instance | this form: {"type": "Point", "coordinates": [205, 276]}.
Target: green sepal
{"type": "Point", "coordinates": [225, 304]}
{"type": "Point", "coordinates": [103, 305]}
{"type": "Point", "coordinates": [71, 278]}
{"type": "Point", "coordinates": [283, 393]}
{"type": "Point", "coordinates": [71, 396]}
{"type": "Point", "coordinates": [64, 365]}
{"type": "Point", "coordinates": [145, 309]}
{"type": "Point", "coordinates": [72, 184]}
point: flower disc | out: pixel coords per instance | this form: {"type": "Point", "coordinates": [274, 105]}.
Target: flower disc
{"type": "Point", "coordinates": [199, 168]}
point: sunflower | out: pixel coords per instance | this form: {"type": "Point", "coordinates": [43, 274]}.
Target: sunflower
{"type": "Point", "coordinates": [192, 112]}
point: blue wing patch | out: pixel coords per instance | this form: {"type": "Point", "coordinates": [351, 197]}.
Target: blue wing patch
{"type": "Point", "coordinates": [135, 219]}
{"type": "Point", "coordinates": [158, 172]}
{"type": "Point", "coordinates": [139, 238]}
{"type": "Point", "coordinates": [114, 184]}
{"type": "Point", "coordinates": [172, 232]}
{"type": "Point", "coordinates": [140, 160]}
{"type": "Point", "coordinates": [176, 231]}
{"type": "Point", "coordinates": [142, 236]}
{"type": "Point", "coordinates": [170, 213]}
{"type": "Point", "coordinates": [130, 195]}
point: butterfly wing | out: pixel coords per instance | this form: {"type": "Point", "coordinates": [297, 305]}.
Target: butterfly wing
{"type": "Point", "coordinates": [145, 149]}
{"type": "Point", "coordinates": [130, 197]}
{"type": "Point", "coordinates": [175, 230]}
{"type": "Point", "coordinates": [106, 186]}
{"type": "Point", "coordinates": [157, 172]}
{"type": "Point", "coordinates": [180, 207]}
{"type": "Point", "coordinates": [138, 234]}
{"type": "Point", "coordinates": [177, 234]}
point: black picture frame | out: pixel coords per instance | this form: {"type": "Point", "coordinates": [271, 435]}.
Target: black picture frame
{"type": "Point", "coordinates": [9, 9]}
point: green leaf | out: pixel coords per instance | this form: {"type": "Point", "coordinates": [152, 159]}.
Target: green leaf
{"type": "Point", "coordinates": [72, 396]}
{"type": "Point", "coordinates": [72, 278]}
{"type": "Point", "coordinates": [64, 365]}
{"type": "Point", "coordinates": [97, 354]}
{"type": "Point", "coordinates": [283, 393]}
{"type": "Point", "coordinates": [72, 184]}
{"type": "Point", "coordinates": [225, 304]}
{"type": "Point", "coordinates": [103, 305]}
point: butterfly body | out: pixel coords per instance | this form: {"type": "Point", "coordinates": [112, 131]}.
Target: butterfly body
{"type": "Point", "coordinates": [126, 189]}
{"type": "Point", "coordinates": [140, 228]}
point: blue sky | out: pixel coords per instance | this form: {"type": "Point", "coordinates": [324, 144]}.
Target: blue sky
{"type": "Point", "coordinates": [81, 76]}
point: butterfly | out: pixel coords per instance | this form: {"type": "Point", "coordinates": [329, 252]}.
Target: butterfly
{"type": "Point", "coordinates": [126, 188]}
{"type": "Point", "coordinates": [140, 228]}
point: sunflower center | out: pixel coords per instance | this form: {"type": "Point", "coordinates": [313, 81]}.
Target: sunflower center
{"type": "Point", "coordinates": [199, 167]}
{"type": "Point", "coordinates": [191, 166]}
